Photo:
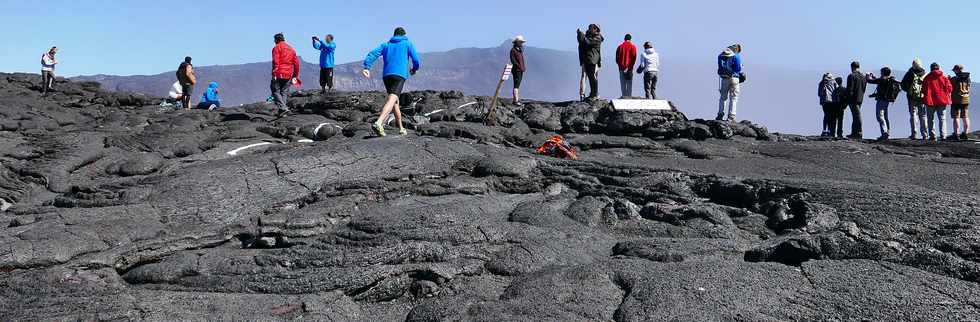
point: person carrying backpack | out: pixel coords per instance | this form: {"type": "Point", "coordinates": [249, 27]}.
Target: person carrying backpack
{"type": "Point", "coordinates": [285, 69]}
{"type": "Point", "coordinates": [912, 86]}
{"type": "Point", "coordinates": [187, 79]}
{"type": "Point", "coordinates": [840, 104]}
{"type": "Point", "coordinates": [825, 91]}
{"type": "Point", "coordinates": [626, 59]}
{"type": "Point", "coordinates": [961, 102]}
{"type": "Point", "coordinates": [48, 63]}
{"type": "Point", "coordinates": [396, 54]}
{"type": "Point", "coordinates": [937, 92]}
{"type": "Point", "coordinates": [857, 84]}
{"type": "Point", "coordinates": [327, 49]}
{"type": "Point", "coordinates": [885, 94]}
{"type": "Point", "coordinates": [729, 72]}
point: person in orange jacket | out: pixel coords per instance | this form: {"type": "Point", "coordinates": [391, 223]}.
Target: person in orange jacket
{"type": "Point", "coordinates": [937, 95]}
{"type": "Point", "coordinates": [285, 70]}
{"type": "Point", "coordinates": [626, 59]}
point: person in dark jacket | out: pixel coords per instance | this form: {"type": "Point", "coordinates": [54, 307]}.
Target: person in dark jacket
{"type": "Point", "coordinates": [825, 91]}
{"type": "Point", "coordinates": [285, 71]}
{"type": "Point", "coordinates": [912, 86]}
{"type": "Point", "coordinates": [519, 67]}
{"type": "Point", "coordinates": [187, 79]}
{"type": "Point", "coordinates": [840, 104]}
{"type": "Point", "coordinates": [885, 93]}
{"type": "Point", "coordinates": [961, 102]}
{"type": "Point", "coordinates": [626, 59]}
{"type": "Point", "coordinates": [856, 86]}
{"type": "Point", "coordinates": [590, 56]}
{"type": "Point", "coordinates": [327, 49]}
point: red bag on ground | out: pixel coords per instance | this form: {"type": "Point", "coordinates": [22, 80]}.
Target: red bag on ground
{"type": "Point", "coordinates": [557, 147]}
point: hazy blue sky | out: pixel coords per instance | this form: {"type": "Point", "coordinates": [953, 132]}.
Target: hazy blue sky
{"type": "Point", "coordinates": [148, 37]}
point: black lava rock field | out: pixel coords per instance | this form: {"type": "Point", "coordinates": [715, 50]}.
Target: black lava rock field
{"type": "Point", "coordinates": [113, 208]}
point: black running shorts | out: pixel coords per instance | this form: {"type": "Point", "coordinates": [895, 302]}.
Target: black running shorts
{"type": "Point", "coordinates": [394, 84]}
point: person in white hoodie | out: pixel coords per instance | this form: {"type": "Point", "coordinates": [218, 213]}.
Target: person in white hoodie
{"type": "Point", "coordinates": [649, 67]}
{"type": "Point", "coordinates": [47, 69]}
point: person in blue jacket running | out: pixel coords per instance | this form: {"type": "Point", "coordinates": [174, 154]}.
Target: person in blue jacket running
{"type": "Point", "coordinates": [396, 54]}
{"type": "Point", "coordinates": [210, 100]}
{"type": "Point", "coordinates": [326, 49]}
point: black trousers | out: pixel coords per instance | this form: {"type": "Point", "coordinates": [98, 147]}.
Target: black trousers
{"type": "Point", "coordinates": [856, 126]}
{"type": "Point", "coordinates": [47, 80]}
{"type": "Point", "coordinates": [326, 78]}
{"type": "Point", "coordinates": [591, 73]}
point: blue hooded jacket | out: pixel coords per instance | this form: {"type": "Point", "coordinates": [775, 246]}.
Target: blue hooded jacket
{"type": "Point", "coordinates": [211, 95]}
{"type": "Point", "coordinates": [326, 52]}
{"type": "Point", "coordinates": [396, 53]}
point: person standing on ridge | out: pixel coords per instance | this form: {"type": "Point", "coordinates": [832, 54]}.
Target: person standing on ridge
{"type": "Point", "coordinates": [886, 92]}
{"type": "Point", "coordinates": [590, 55]}
{"type": "Point", "coordinates": [396, 54]}
{"type": "Point", "coordinates": [825, 92]}
{"type": "Point", "coordinates": [626, 59]}
{"type": "Point", "coordinates": [961, 102]}
{"type": "Point", "coordinates": [857, 84]}
{"type": "Point", "coordinates": [840, 104]}
{"type": "Point", "coordinates": [937, 92]}
{"type": "Point", "coordinates": [187, 79]}
{"type": "Point", "coordinates": [285, 70]}
{"type": "Point", "coordinates": [730, 73]}
{"type": "Point", "coordinates": [48, 63]}
{"type": "Point", "coordinates": [326, 49]}
{"type": "Point", "coordinates": [912, 86]}
{"type": "Point", "coordinates": [519, 67]}
{"type": "Point", "coordinates": [649, 67]}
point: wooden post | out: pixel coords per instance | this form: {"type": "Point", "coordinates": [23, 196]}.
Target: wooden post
{"type": "Point", "coordinates": [491, 117]}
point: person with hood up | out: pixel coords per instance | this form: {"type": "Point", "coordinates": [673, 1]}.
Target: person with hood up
{"type": "Point", "coordinates": [48, 63]}
{"type": "Point", "coordinates": [937, 92]}
{"type": "Point", "coordinates": [729, 72]}
{"type": "Point", "coordinates": [590, 57]}
{"type": "Point", "coordinates": [187, 79]}
{"type": "Point", "coordinates": [285, 71]}
{"type": "Point", "coordinates": [210, 100]}
{"type": "Point", "coordinates": [626, 59]}
{"type": "Point", "coordinates": [961, 102]}
{"type": "Point", "coordinates": [396, 54]}
{"type": "Point", "coordinates": [857, 84]}
{"type": "Point", "coordinates": [825, 91]}
{"type": "Point", "coordinates": [519, 67]}
{"type": "Point", "coordinates": [327, 49]}
{"type": "Point", "coordinates": [649, 67]}
{"type": "Point", "coordinates": [912, 86]}
{"type": "Point", "coordinates": [886, 92]}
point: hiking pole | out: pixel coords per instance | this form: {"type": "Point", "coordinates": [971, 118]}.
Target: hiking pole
{"type": "Point", "coordinates": [491, 117]}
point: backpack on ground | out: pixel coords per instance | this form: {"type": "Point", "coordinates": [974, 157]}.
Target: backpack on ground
{"type": "Point", "coordinates": [915, 89]}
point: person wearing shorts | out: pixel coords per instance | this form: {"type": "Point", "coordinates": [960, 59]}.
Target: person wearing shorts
{"type": "Point", "coordinates": [396, 53]}
{"type": "Point", "coordinates": [518, 67]}
{"type": "Point", "coordinates": [961, 102]}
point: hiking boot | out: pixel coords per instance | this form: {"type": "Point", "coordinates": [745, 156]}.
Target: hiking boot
{"type": "Point", "coordinates": [932, 138]}
{"type": "Point", "coordinates": [964, 137]}
{"type": "Point", "coordinates": [403, 132]}
{"type": "Point", "coordinates": [720, 117]}
{"type": "Point", "coordinates": [912, 137]}
{"type": "Point", "coordinates": [283, 112]}
{"type": "Point", "coordinates": [378, 129]}
{"type": "Point", "coordinates": [825, 134]}
{"type": "Point", "coordinates": [883, 138]}
{"type": "Point", "coordinates": [953, 137]}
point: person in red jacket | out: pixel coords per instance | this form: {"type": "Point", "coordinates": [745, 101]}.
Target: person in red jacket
{"type": "Point", "coordinates": [626, 59]}
{"type": "Point", "coordinates": [285, 70]}
{"type": "Point", "coordinates": [937, 95]}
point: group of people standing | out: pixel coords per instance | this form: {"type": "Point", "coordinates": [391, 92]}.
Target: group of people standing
{"type": "Point", "coordinates": [928, 94]}
{"type": "Point", "coordinates": [627, 57]}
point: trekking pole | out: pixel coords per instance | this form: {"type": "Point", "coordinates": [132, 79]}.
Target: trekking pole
{"type": "Point", "coordinates": [491, 117]}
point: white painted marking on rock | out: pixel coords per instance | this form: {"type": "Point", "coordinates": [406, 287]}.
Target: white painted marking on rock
{"type": "Point", "coordinates": [641, 105]}
{"type": "Point", "coordinates": [305, 141]}
{"type": "Point", "coordinates": [236, 151]}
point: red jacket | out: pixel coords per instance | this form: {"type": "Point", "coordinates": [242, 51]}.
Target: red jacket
{"type": "Point", "coordinates": [936, 89]}
{"type": "Point", "coordinates": [626, 56]}
{"type": "Point", "coordinates": [285, 65]}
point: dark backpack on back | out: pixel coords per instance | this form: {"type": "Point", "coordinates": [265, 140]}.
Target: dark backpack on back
{"type": "Point", "coordinates": [893, 87]}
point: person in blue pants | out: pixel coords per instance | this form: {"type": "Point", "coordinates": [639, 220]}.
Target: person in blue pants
{"type": "Point", "coordinates": [327, 49]}
{"type": "Point", "coordinates": [396, 53]}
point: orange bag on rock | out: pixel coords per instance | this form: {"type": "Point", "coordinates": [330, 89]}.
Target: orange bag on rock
{"type": "Point", "coordinates": [557, 147]}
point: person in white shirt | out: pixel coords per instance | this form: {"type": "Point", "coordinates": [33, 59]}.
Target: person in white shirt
{"type": "Point", "coordinates": [649, 67]}
{"type": "Point", "coordinates": [48, 63]}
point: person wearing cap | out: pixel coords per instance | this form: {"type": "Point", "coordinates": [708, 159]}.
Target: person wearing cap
{"type": "Point", "coordinates": [48, 63]}
{"type": "Point", "coordinates": [961, 102]}
{"type": "Point", "coordinates": [649, 67]}
{"type": "Point", "coordinates": [519, 67]}
{"type": "Point", "coordinates": [729, 72]}
{"type": "Point", "coordinates": [285, 70]}
{"type": "Point", "coordinates": [626, 59]}
{"type": "Point", "coordinates": [937, 92]}
{"type": "Point", "coordinates": [912, 85]}
{"type": "Point", "coordinates": [327, 48]}
{"type": "Point", "coordinates": [397, 53]}
{"type": "Point", "coordinates": [187, 79]}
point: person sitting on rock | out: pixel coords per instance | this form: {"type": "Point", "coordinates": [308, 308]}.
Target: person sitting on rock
{"type": "Point", "coordinates": [210, 100]}
{"type": "Point", "coordinates": [327, 49]}
{"type": "Point", "coordinates": [175, 97]}
{"type": "Point", "coordinates": [396, 54]}
{"type": "Point", "coordinates": [285, 71]}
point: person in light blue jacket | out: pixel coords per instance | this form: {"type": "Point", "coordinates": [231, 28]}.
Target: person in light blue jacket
{"type": "Point", "coordinates": [327, 49]}
{"type": "Point", "coordinates": [210, 100]}
{"type": "Point", "coordinates": [396, 54]}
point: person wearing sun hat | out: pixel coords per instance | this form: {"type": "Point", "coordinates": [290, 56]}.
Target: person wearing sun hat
{"type": "Point", "coordinates": [519, 66]}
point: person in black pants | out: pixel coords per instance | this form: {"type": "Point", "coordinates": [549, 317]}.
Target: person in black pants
{"type": "Point", "coordinates": [590, 56]}
{"type": "Point", "coordinates": [857, 83]}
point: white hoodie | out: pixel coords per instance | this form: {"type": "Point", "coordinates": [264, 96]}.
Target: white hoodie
{"type": "Point", "coordinates": [48, 62]}
{"type": "Point", "coordinates": [650, 61]}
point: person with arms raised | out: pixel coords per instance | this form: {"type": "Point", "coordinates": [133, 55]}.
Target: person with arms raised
{"type": "Point", "coordinates": [886, 92]}
{"type": "Point", "coordinates": [396, 53]}
{"type": "Point", "coordinates": [327, 47]}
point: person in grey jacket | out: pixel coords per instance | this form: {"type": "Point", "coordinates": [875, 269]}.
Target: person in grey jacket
{"type": "Point", "coordinates": [825, 91]}
{"type": "Point", "coordinates": [649, 67]}
{"type": "Point", "coordinates": [590, 56]}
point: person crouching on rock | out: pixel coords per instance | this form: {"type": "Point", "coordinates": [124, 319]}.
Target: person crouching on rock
{"type": "Point", "coordinates": [396, 54]}
{"type": "Point", "coordinates": [937, 92]}
{"type": "Point", "coordinates": [519, 67]}
{"type": "Point", "coordinates": [48, 63]}
{"type": "Point", "coordinates": [187, 79]}
{"type": "Point", "coordinates": [825, 91]}
{"type": "Point", "coordinates": [961, 102]}
{"type": "Point", "coordinates": [210, 100]}
{"type": "Point", "coordinates": [285, 70]}
{"type": "Point", "coordinates": [885, 94]}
